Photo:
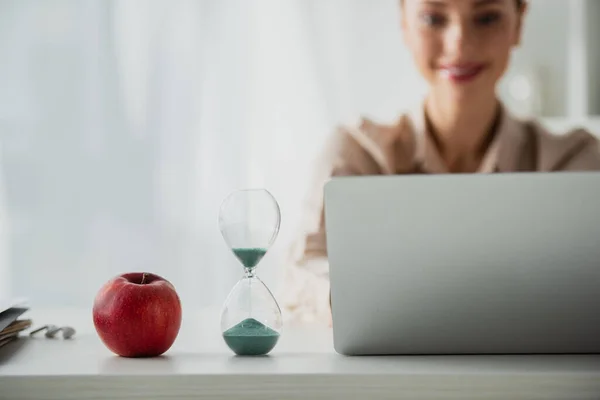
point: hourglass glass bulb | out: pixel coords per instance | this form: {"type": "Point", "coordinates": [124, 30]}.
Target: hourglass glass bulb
{"type": "Point", "coordinates": [249, 221]}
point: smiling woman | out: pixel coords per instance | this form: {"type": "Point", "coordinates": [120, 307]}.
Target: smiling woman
{"type": "Point", "coordinates": [462, 48]}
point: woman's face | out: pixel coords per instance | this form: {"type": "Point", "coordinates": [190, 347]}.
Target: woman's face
{"type": "Point", "coordinates": [462, 47]}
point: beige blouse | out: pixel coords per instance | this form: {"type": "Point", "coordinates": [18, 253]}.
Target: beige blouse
{"type": "Point", "coordinates": [404, 147]}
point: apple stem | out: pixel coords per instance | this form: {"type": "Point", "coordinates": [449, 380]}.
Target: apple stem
{"type": "Point", "coordinates": [143, 278]}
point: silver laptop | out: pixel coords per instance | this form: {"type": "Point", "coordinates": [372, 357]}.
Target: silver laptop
{"type": "Point", "coordinates": [465, 264]}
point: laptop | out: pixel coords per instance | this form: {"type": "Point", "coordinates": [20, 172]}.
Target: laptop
{"type": "Point", "coordinates": [465, 264]}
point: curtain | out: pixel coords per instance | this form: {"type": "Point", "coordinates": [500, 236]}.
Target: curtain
{"type": "Point", "coordinates": [124, 124]}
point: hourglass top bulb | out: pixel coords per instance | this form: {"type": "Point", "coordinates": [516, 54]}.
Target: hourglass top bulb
{"type": "Point", "coordinates": [249, 221]}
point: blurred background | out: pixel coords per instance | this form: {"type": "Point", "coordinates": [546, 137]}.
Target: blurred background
{"type": "Point", "coordinates": [124, 124]}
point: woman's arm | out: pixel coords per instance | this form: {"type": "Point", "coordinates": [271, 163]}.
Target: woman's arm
{"type": "Point", "coordinates": [306, 295]}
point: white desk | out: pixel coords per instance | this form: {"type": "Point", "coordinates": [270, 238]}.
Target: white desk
{"type": "Point", "coordinates": [303, 366]}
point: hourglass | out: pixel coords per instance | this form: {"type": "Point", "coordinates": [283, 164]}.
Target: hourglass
{"type": "Point", "coordinates": [251, 319]}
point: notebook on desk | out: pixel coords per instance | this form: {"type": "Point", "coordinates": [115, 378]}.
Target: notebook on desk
{"type": "Point", "coordinates": [12, 331]}
{"type": "Point", "coordinates": [10, 324]}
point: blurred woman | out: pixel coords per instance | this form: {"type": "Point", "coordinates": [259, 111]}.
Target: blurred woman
{"type": "Point", "coordinates": [462, 48]}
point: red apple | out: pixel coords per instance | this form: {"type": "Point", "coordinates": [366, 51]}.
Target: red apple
{"type": "Point", "coordinates": [137, 315]}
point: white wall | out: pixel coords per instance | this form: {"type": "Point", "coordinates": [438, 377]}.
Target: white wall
{"type": "Point", "coordinates": [543, 56]}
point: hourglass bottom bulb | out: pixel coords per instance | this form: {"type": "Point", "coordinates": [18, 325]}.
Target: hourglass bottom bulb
{"type": "Point", "coordinates": [251, 338]}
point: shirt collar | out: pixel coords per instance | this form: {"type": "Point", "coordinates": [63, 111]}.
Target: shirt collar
{"type": "Point", "coordinates": [501, 156]}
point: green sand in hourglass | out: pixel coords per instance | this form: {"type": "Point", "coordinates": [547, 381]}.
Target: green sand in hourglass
{"type": "Point", "coordinates": [251, 338]}
{"type": "Point", "coordinates": [249, 257]}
